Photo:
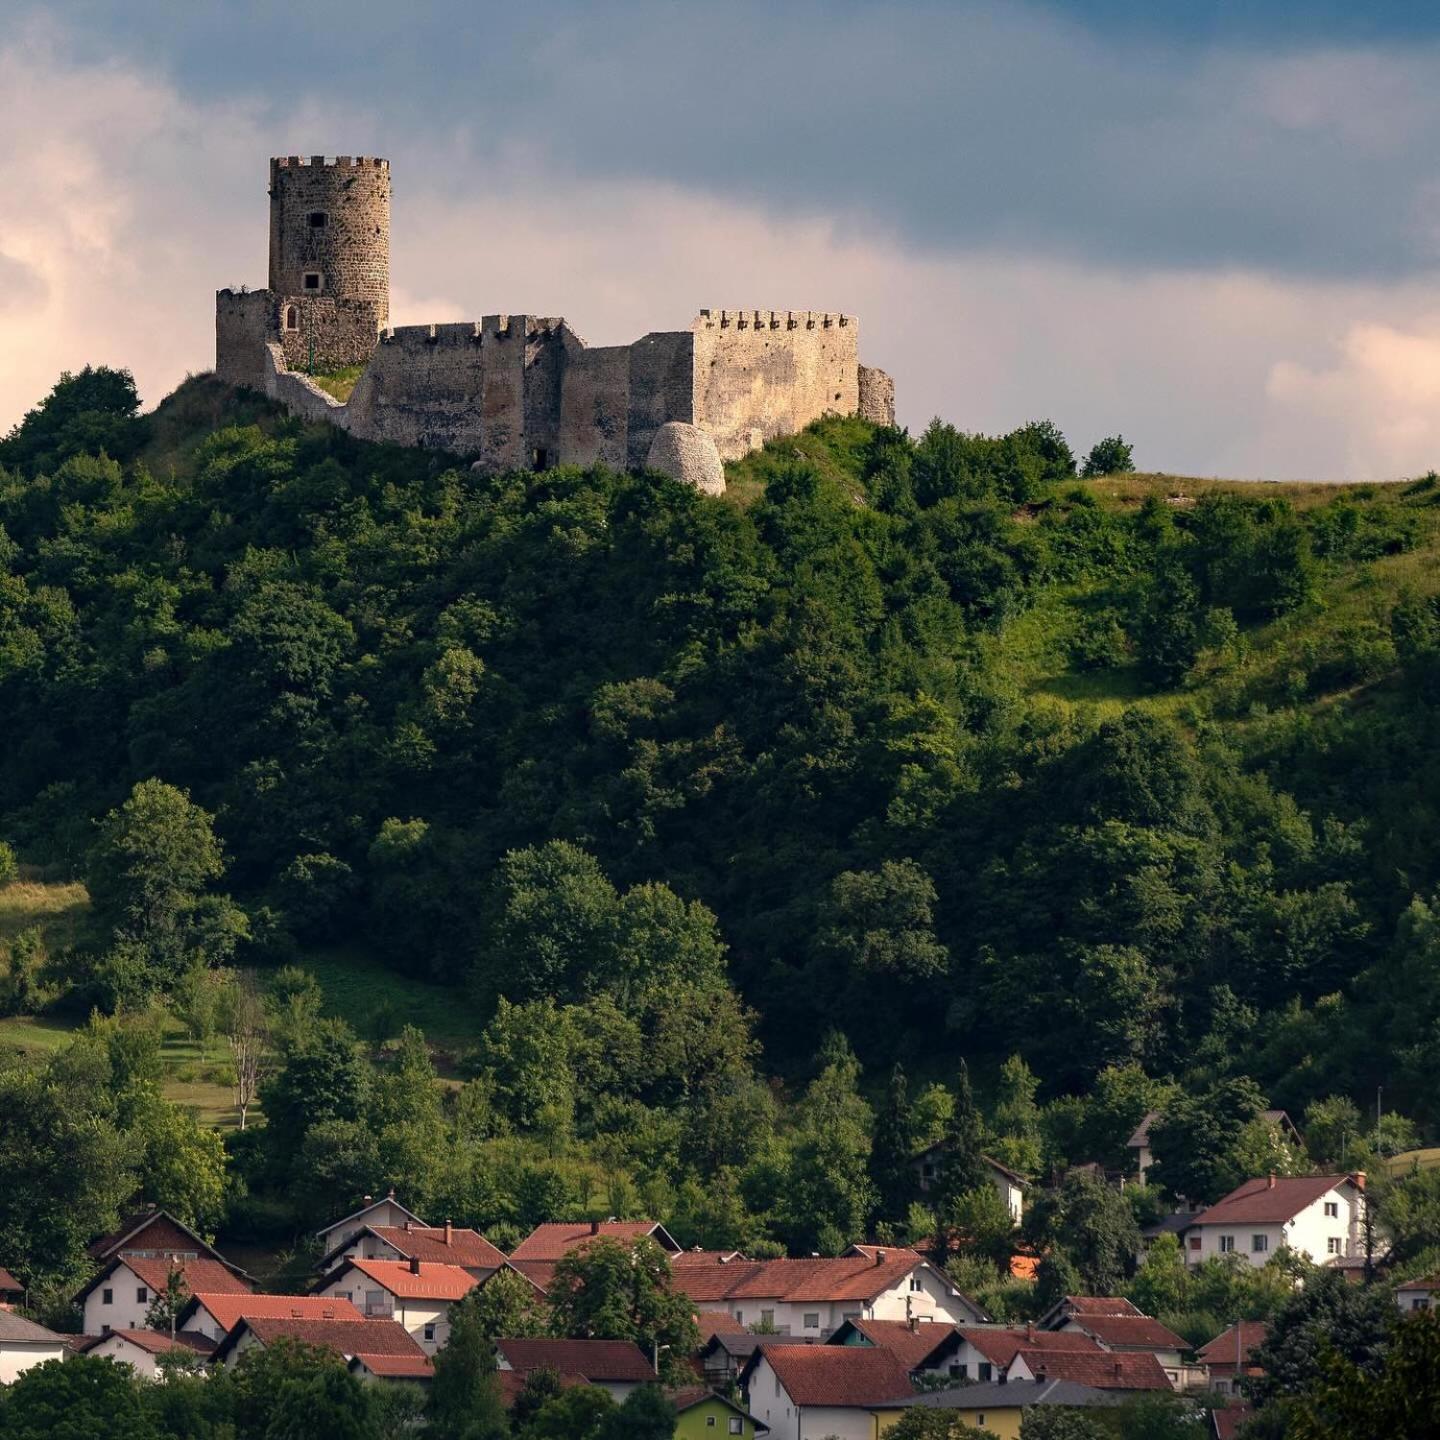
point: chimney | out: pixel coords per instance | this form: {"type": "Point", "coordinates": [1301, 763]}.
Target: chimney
{"type": "Point", "coordinates": [449, 1233]}
{"type": "Point", "coordinates": [407, 1227]}
{"type": "Point", "coordinates": [915, 1324]}
{"type": "Point", "coordinates": [327, 1313]}
{"type": "Point", "coordinates": [367, 1199]}
{"type": "Point", "coordinates": [1270, 1184]}
{"type": "Point", "coordinates": [391, 1195]}
{"type": "Point", "coordinates": [879, 1257]}
{"type": "Point", "coordinates": [414, 1264]}
{"type": "Point", "coordinates": [594, 1227]}
{"type": "Point", "coordinates": [1029, 1332]}
{"type": "Point", "coordinates": [1359, 1178]}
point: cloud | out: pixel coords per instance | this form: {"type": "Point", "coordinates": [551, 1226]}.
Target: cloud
{"type": "Point", "coordinates": [139, 200]}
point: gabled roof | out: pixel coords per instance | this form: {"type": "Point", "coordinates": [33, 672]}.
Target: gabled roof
{"type": "Point", "coordinates": [994, 1164]}
{"type": "Point", "coordinates": [155, 1271]}
{"type": "Point", "coordinates": [17, 1330]}
{"type": "Point", "coordinates": [1001, 1345]}
{"type": "Point", "coordinates": [396, 1367]}
{"type": "Point", "coordinates": [836, 1375]}
{"type": "Point", "coordinates": [740, 1345]}
{"type": "Point", "coordinates": [346, 1338]}
{"type": "Point", "coordinates": [154, 1342]}
{"type": "Point", "coordinates": [1099, 1305]}
{"type": "Point", "coordinates": [1431, 1283]}
{"type": "Point", "coordinates": [412, 1281]}
{"type": "Point", "coordinates": [556, 1239]}
{"type": "Point", "coordinates": [512, 1382]}
{"type": "Point", "coordinates": [914, 1344]}
{"type": "Point", "coordinates": [442, 1245]}
{"type": "Point", "coordinates": [1022, 1394]}
{"type": "Point", "coordinates": [849, 1277]}
{"type": "Point", "coordinates": [229, 1310]}
{"type": "Point", "coordinates": [9, 1285]}
{"type": "Point", "coordinates": [689, 1396]}
{"type": "Point", "coordinates": [1129, 1332]}
{"type": "Point", "coordinates": [1229, 1423]}
{"type": "Point", "coordinates": [1221, 1350]}
{"type": "Point", "coordinates": [1101, 1369]}
{"type": "Point", "coordinates": [718, 1322]}
{"type": "Point", "coordinates": [596, 1360]}
{"type": "Point", "coordinates": [1271, 1199]}
{"type": "Point", "coordinates": [366, 1209]}
{"type": "Point", "coordinates": [131, 1226]}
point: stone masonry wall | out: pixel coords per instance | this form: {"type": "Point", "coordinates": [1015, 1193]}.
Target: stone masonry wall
{"type": "Point", "coordinates": [337, 332]}
{"type": "Point", "coordinates": [662, 387]}
{"type": "Point", "coordinates": [760, 374]}
{"type": "Point", "coordinates": [594, 403]}
{"type": "Point", "coordinates": [242, 321]}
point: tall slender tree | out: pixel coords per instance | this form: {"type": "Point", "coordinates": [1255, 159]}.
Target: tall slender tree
{"type": "Point", "coordinates": [892, 1157]}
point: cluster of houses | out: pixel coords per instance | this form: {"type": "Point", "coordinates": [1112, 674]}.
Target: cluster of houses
{"type": "Point", "coordinates": [796, 1349]}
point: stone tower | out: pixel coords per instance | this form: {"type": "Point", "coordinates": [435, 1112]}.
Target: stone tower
{"type": "Point", "coordinates": [330, 256]}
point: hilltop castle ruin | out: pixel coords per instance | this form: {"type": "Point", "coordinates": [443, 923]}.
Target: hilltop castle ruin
{"type": "Point", "coordinates": [516, 391]}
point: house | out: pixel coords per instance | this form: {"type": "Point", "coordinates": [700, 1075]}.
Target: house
{"type": "Point", "coordinates": [923, 1348]}
{"type": "Point", "coordinates": [12, 1292]}
{"type": "Point", "coordinates": [702, 1414]}
{"type": "Point", "coordinates": [1317, 1216]}
{"type": "Point", "coordinates": [153, 1234]}
{"type": "Point", "coordinates": [215, 1316]}
{"type": "Point", "coordinates": [813, 1392]}
{"type": "Point", "coordinates": [615, 1366]}
{"type": "Point", "coordinates": [435, 1244]}
{"type": "Point", "coordinates": [1008, 1185]}
{"type": "Point", "coordinates": [1418, 1294]}
{"type": "Point", "coordinates": [986, 1352]}
{"type": "Point", "coordinates": [417, 1295]}
{"type": "Point", "coordinates": [1141, 1157]}
{"type": "Point", "coordinates": [142, 1350]}
{"type": "Point", "coordinates": [546, 1245]}
{"type": "Point", "coordinates": [1116, 1325]}
{"type": "Point", "coordinates": [1000, 1407]}
{"type": "Point", "coordinates": [696, 1256]}
{"type": "Point", "coordinates": [724, 1355]}
{"type": "Point", "coordinates": [1126, 1372]}
{"type": "Point", "coordinates": [1227, 1356]}
{"type": "Point", "coordinates": [386, 1211]}
{"type": "Point", "coordinates": [419, 1369]}
{"type": "Point", "coordinates": [717, 1322]}
{"type": "Point", "coordinates": [345, 1338]}
{"type": "Point", "coordinates": [120, 1296]}
{"type": "Point", "coordinates": [23, 1343]}
{"type": "Point", "coordinates": [814, 1297]}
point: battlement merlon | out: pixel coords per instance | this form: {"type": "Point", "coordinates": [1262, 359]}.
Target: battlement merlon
{"type": "Point", "coordinates": [471, 332]}
{"type": "Point", "coordinates": [772, 320]}
{"type": "Point", "coordinates": [328, 162]}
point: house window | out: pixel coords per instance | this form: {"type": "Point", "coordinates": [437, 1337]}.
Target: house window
{"type": "Point", "coordinates": [107, 1297]}
{"type": "Point", "coordinates": [1227, 1244]}
{"type": "Point", "coordinates": [1259, 1243]}
{"type": "Point", "coordinates": [737, 1425]}
{"type": "Point", "coordinates": [312, 280]}
{"type": "Point", "coordinates": [777, 1388]}
{"type": "Point", "coordinates": [1335, 1245]}
{"type": "Point", "coordinates": [957, 1372]}
{"type": "Point", "coordinates": [317, 219]}
{"type": "Point", "coordinates": [915, 1283]}
{"type": "Point", "coordinates": [1194, 1242]}
{"type": "Point", "coordinates": [767, 1318]}
{"type": "Point", "coordinates": [430, 1331]}
{"type": "Point", "coordinates": [740, 1316]}
{"type": "Point", "coordinates": [709, 1422]}
{"type": "Point", "coordinates": [812, 1319]}
{"type": "Point", "coordinates": [142, 1295]}
{"type": "Point", "coordinates": [985, 1371]}
{"type": "Point", "coordinates": [1420, 1303]}
{"type": "Point", "coordinates": [979, 1414]}
{"type": "Point", "coordinates": [1332, 1209]}
{"type": "Point", "coordinates": [292, 318]}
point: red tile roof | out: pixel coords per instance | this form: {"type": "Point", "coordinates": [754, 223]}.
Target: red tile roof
{"type": "Point", "coordinates": [1101, 1369]}
{"type": "Point", "coordinates": [9, 1283]}
{"type": "Point", "coordinates": [345, 1337]}
{"type": "Point", "coordinates": [554, 1240]}
{"type": "Point", "coordinates": [1431, 1283]}
{"type": "Point", "coordinates": [596, 1360]}
{"type": "Point", "coordinates": [839, 1375]}
{"type": "Point", "coordinates": [1228, 1422]}
{"type": "Point", "coordinates": [914, 1345]}
{"type": "Point", "coordinates": [156, 1342]}
{"type": "Point", "coordinates": [1269, 1200]}
{"type": "Point", "coordinates": [850, 1277]}
{"type": "Point", "coordinates": [1100, 1305]}
{"type": "Point", "coordinates": [718, 1322]}
{"type": "Point", "coordinates": [697, 1256]}
{"type": "Point", "coordinates": [540, 1273]}
{"type": "Point", "coordinates": [512, 1382]}
{"type": "Point", "coordinates": [1001, 1346]}
{"type": "Point", "coordinates": [154, 1272]}
{"type": "Point", "coordinates": [427, 1242]}
{"type": "Point", "coordinates": [408, 1367]}
{"type": "Point", "coordinates": [1132, 1332]}
{"type": "Point", "coordinates": [1221, 1350]}
{"type": "Point", "coordinates": [150, 1229]}
{"type": "Point", "coordinates": [434, 1282]}
{"type": "Point", "coordinates": [228, 1310]}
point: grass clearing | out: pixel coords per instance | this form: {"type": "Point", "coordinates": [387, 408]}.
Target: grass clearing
{"type": "Point", "coordinates": [339, 383]}
{"type": "Point", "coordinates": [55, 908]}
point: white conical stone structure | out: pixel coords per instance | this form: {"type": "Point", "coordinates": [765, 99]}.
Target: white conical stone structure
{"type": "Point", "coordinates": [687, 453]}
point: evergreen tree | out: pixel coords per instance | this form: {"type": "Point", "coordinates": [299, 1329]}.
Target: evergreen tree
{"type": "Point", "coordinates": [465, 1401]}
{"type": "Point", "coordinates": [892, 1156]}
{"type": "Point", "coordinates": [962, 1165]}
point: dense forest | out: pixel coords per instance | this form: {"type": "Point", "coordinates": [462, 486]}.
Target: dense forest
{"type": "Point", "coordinates": [745, 834]}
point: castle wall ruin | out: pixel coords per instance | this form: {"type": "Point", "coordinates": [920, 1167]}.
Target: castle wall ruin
{"type": "Point", "coordinates": [511, 391]}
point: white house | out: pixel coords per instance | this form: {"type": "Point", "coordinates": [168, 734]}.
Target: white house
{"type": "Point", "coordinates": [411, 1292]}
{"type": "Point", "coordinates": [984, 1352]}
{"type": "Point", "coordinates": [814, 1298]}
{"type": "Point", "coordinates": [1008, 1185]}
{"type": "Point", "coordinates": [385, 1211]}
{"type": "Point", "coordinates": [1117, 1325]}
{"type": "Point", "coordinates": [215, 1316]}
{"type": "Point", "coordinates": [812, 1392]}
{"type": "Point", "coordinates": [616, 1366]}
{"type": "Point", "coordinates": [23, 1343]}
{"type": "Point", "coordinates": [1318, 1216]}
{"type": "Point", "coordinates": [141, 1349]}
{"type": "Point", "coordinates": [1418, 1294]}
{"type": "Point", "coordinates": [435, 1244]}
{"type": "Point", "coordinates": [120, 1296]}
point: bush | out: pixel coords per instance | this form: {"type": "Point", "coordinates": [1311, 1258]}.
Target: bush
{"type": "Point", "coordinates": [1111, 456]}
{"type": "Point", "coordinates": [8, 866]}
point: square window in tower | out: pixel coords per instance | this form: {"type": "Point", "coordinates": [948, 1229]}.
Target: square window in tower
{"type": "Point", "coordinates": [318, 219]}
{"type": "Point", "coordinates": [312, 280]}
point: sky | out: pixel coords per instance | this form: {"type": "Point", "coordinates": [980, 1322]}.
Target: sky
{"type": "Point", "coordinates": [1214, 228]}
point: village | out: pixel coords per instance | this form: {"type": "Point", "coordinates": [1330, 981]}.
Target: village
{"type": "Point", "coordinates": [798, 1348]}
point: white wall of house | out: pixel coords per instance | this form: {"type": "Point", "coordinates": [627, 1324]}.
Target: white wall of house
{"type": "Point", "coordinates": [17, 1356]}
{"type": "Point", "coordinates": [1329, 1226]}
{"type": "Point", "coordinates": [768, 1401]}
{"type": "Point", "coordinates": [116, 1347]}
{"type": "Point", "coordinates": [382, 1212]}
{"type": "Point", "coordinates": [1410, 1301]}
{"type": "Point", "coordinates": [427, 1320]}
{"type": "Point", "coordinates": [967, 1363]}
{"type": "Point", "coordinates": [202, 1321]}
{"type": "Point", "coordinates": [120, 1302]}
{"type": "Point", "coordinates": [924, 1295]}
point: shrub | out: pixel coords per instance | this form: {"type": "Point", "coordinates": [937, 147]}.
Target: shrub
{"type": "Point", "coordinates": [1111, 456]}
